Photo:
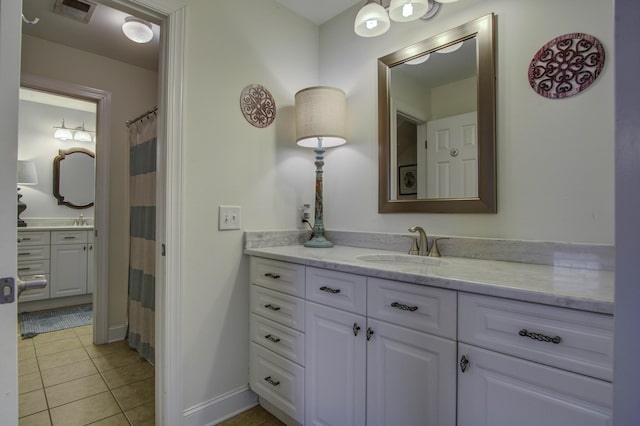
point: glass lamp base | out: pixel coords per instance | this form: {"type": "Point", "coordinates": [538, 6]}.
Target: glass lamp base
{"type": "Point", "coordinates": [318, 242]}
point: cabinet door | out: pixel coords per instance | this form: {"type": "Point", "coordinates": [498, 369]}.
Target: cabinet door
{"type": "Point", "coordinates": [68, 270]}
{"type": "Point", "coordinates": [335, 370]}
{"type": "Point", "coordinates": [411, 377]}
{"type": "Point", "coordinates": [501, 390]}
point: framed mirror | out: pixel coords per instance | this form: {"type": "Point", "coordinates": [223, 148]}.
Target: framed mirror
{"type": "Point", "coordinates": [74, 178]}
{"type": "Point", "coordinates": [436, 124]}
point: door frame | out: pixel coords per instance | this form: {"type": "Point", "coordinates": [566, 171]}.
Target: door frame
{"type": "Point", "coordinates": [102, 98]}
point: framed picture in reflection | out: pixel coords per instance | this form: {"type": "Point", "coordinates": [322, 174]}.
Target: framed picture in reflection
{"type": "Point", "coordinates": [408, 179]}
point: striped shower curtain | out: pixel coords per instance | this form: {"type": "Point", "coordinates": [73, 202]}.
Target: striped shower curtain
{"type": "Point", "coordinates": [142, 229]}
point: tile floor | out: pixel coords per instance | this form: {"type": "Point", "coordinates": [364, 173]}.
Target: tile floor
{"type": "Point", "coordinates": [64, 379]}
{"type": "Point", "coordinates": [257, 416]}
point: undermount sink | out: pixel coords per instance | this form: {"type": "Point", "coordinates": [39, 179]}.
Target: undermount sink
{"type": "Point", "coordinates": [389, 259]}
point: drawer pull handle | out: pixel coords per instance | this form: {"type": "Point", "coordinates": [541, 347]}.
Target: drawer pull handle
{"type": "Point", "coordinates": [24, 269]}
{"type": "Point", "coordinates": [21, 239]}
{"type": "Point", "coordinates": [272, 307]}
{"type": "Point", "coordinates": [70, 238]}
{"type": "Point", "coordinates": [272, 275]}
{"type": "Point", "coordinates": [464, 363]}
{"type": "Point", "coordinates": [330, 290]}
{"type": "Point", "coordinates": [404, 307]}
{"type": "Point", "coordinates": [272, 382]}
{"type": "Point", "coordinates": [24, 254]}
{"type": "Point", "coordinates": [273, 339]}
{"type": "Point", "coordinates": [356, 329]}
{"type": "Point", "coordinates": [540, 337]}
{"type": "Point", "coordinates": [369, 334]}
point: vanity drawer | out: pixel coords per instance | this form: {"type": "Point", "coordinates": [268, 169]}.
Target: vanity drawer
{"type": "Point", "coordinates": [27, 253]}
{"type": "Point", "coordinates": [337, 289]}
{"type": "Point", "coordinates": [35, 238]}
{"type": "Point", "coordinates": [527, 330]}
{"type": "Point", "coordinates": [280, 276]}
{"type": "Point", "coordinates": [279, 307]}
{"type": "Point", "coordinates": [282, 340]}
{"type": "Point", "coordinates": [426, 309]}
{"type": "Point", "coordinates": [36, 267]}
{"type": "Point", "coordinates": [68, 237]}
{"type": "Point", "coordinates": [279, 381]}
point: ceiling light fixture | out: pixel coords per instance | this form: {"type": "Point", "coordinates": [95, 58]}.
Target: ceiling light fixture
{"type": "Point", "coordinates": [373, 18]}
{"type": "Point", "coordinates": [137, 30]}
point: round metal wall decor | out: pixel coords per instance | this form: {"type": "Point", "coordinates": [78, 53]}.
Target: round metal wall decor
{"type": "Point", "coordinates": [257, 105]}
{"type": "Point", "coordinates": [566, 65]}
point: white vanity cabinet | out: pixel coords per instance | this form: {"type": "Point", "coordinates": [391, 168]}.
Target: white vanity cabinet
{"type": "Point", "coordinates": [277, 332]}
{"type": "Point", "coordinates": [33, 259]}
{"type": "Point", "coordinates": [528, 364]}
{"type": "Point", "coordinates": [65, 257]}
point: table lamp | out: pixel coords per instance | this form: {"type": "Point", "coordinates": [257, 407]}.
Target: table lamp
{"type": "Point", "coordinates": [320, 124]}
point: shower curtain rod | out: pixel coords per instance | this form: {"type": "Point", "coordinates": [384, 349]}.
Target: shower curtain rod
{"type": "Point", "coordinates": [142, 116]}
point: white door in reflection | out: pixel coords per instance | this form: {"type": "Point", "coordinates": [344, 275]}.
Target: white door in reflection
{"type": "Point", "coordinates": [452, 157]}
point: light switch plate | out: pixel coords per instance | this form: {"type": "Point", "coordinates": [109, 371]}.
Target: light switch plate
{"type": "Point", "coordinates": [228, 218]}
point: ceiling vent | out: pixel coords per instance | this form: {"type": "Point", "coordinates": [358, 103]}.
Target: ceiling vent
{"type": "Point", "coordinates": [78, 10]}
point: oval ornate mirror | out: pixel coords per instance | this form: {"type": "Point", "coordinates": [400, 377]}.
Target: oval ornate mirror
{"type": "Point", "coordinates": [74, 178]}
{"type": "Point", "coordinates": [436, 123]}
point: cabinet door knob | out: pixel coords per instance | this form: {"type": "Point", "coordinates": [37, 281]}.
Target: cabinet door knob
{"type": "Point", "coordinates": [356, 329]}
{"type": "Point", "coordinates": [369, 333]}
{"type": "Point", "coordinates": [464, 363]}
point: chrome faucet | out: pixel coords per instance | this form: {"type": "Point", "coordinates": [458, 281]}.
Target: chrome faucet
{"type": "Point", "coordinates": [423, 244]}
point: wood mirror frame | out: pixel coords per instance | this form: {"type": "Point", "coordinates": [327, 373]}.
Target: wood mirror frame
{"type": "Point", "coordinates": [483, 31]}
{"type": "Point", "coordinates": [62, 154]}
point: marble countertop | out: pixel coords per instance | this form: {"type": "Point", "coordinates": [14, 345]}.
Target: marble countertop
{"type": "Point", "coordinates": [34, 228]}
{"type": "Point", "coordinates": [583, 289]}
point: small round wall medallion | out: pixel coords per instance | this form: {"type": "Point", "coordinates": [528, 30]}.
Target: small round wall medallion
{"type": "Point", "coordinates": [566, 65]}
{"type": "Point", "coordinates": [257, 105]}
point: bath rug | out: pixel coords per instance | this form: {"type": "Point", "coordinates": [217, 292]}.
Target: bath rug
{"type": "Point", "coordinates": [38, 322]}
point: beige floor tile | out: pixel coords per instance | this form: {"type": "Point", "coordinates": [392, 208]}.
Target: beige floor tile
{"type": "Point", "coordinates": [85, 411]}
{"type": "Point", "coordinates": [48, 348]}
{"type": "Point", "coordinates": [145, 415]}
{"type": "Point", "coordinates": [54, 335]}
{"type": "Point", "coordinates": [55, 376]}
{"type": "Point", "coordinates": [116, 359]}
{"type": "Point", "coordinates": [117, 420]}
{"type": "Point", "coordinates": [84, 330]}
{"type": "Point", "coordinates": [24, 342]}
{"type": "Point", "coordinates": [87, 339]}
{"type": "Point", "coordinates": [27, 366]}
{"type": "Point", "coordinates": [31, 403]}
{"type": "Point", "coordinates": [26, 352]}
{"type": "Point", "coordinates": [135, 394]}
{"type": "Point", "coordinates": [38, 419]}
{"type": "Point", "coordinates": [74, 390]}
{"type": "Point", "coordinates": [128, 374]}
{"type": "Point", "coordinates": [96, 351]}
{"type": "Point", "coordinates": [257, 416]}
{"type": "Point", "coordinates": [29, 382]}
{"type": "Point", "coordinates": [62, 358]}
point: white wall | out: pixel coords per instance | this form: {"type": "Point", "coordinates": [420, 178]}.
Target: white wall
{"type": "Point", "coordinates": [36, 143]}
{"type": "Point", "coordinates": [555, 157]}
{"type": "Point", "coordinates": [133, 91]}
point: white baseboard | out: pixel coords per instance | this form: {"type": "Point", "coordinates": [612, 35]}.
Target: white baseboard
{"type": "Point", "coordinates": [117, 332]}
{"type": "Point", "coordinates": [221, 408]}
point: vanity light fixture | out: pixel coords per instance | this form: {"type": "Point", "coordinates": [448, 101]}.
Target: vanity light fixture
{"type": "Point", "coordinates": [26, 176]}
{"type": "Point", "coordinates": [373, 18]}
{"type": "Point", "coordinates": [320, 124]}
{"type": "Point", "coordinates": [79, 133]}
{"type": "Point", "coordinates": [137, 30]}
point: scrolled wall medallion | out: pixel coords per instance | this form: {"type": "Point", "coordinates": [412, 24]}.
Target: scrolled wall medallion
{"type": "Point", "coordinates": [566, 65]}
{"type": "Point", "coordinates": [257, 105]}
